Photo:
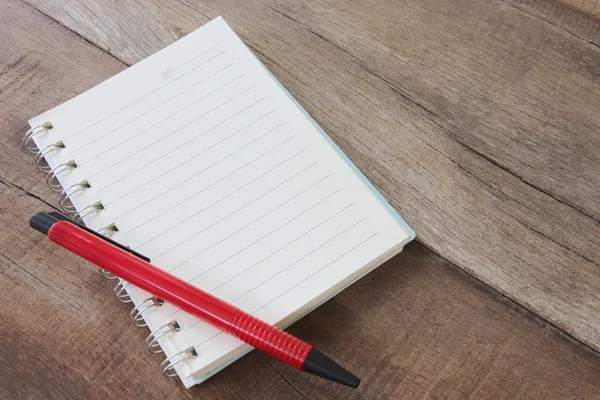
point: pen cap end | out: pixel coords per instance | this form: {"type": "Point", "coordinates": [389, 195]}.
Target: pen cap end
{"type": "Point", "coordinates": [42, 222]}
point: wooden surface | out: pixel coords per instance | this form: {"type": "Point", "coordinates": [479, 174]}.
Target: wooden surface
{"type": "Point", "coordinates": [478, 120]}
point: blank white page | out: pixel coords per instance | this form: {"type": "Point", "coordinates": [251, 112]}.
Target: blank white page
{"type": "Point", "coordinates": [209, 168]}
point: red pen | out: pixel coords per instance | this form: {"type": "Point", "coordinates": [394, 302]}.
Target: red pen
{"type": "Point", "coordinates": [136, 269]}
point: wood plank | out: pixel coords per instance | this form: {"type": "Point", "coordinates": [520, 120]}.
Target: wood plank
{"type": "Point", "coordinates": [477, 121]}
{"type": "Point", "coordinates": [579, 17]}
{"type": "Point", "coordinates": [488, 93]}
{"type": "Point", "coordinates": [419, 326]}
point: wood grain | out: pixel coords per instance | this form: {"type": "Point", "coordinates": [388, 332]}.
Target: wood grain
{"type": "Point", "coordinates": [418, 327]}
{"type": "Point", "coordinates": [578, 17]}
{"type": "Point", "coordinates": [477, 120]}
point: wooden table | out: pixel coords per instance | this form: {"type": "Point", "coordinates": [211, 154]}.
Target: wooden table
{"type": "Point", "coordinates": [478, 120]}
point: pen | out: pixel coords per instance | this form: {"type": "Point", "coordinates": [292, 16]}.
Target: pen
{"type": "Point", "coordinates": [136, 269]}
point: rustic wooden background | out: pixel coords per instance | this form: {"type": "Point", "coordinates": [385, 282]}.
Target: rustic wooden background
{"type": "Point", "coordinates": [479, 121]}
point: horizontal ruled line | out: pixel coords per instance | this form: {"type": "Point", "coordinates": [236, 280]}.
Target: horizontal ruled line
{"type": "Point", "coordinates": [284, 246]}
{"type": "Point", "coordinates": [244, 206]}
{"type": "Point", "coordinates": [143, 97]}
{"type": "Point", "coordinates": [196, 57]}
{"type": "Point", "coordinates": [188, 88]}
{"type": "Point", "coordinates": [204, 170]}
{"type": "Point", "coordinates": [316, 272]}
{"type": "Point", "coordinates": [301, 282]}
{"type": "Point", "coordinates": [164, 119]}
{"type": "Point", "coordinates": [289, 243]}
{"type": "Point", "coordinates": [256, 241]}
{"type": "Point", "coordinates": [214, 183]}
{"type": "Point", "coordinates": [195, 155]}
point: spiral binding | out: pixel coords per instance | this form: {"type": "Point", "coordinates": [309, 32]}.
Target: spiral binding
{"type": "Point", "coordinates": [152, 339]}
{"type": "Point", "coordinates": [53, 174]}
{"type": "Point", "coordinates": [67, 193]}
{"type": "Point", "coordinates": [136, 315]}
{"type": "Point", "coordinates": [28, 137]}
{"type": "Point", "coordinates": [40, 156]}
{"type": "Point", "coordinates": [120, 289]}
{"type": "Point", "coordinates": [168, 365]}
{"type": "Point", "coordinates": [85, 211]}
{"type": "Point", "coordinates": [70, 191]}
{"type": "Point", "coordinates": [121, 292]}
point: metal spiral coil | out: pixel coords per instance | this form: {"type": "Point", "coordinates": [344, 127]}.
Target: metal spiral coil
{"type": "Point", "coordinates": [40, 156]}
{"type": "Point", "coordinates": [120, 289]}
{"type": "Point", "coordinates": [85, 211]}
{"type": "Point", "coordinates": [136, 315]}
{"type": "Point", "coordinates": [70, 191]}
{"type": "Point", "coordinates": [53, 175]}
{"type": "Point", "coordinates": [28, 137]}
{"type": "Point", "coordinates": [168, 365]}
{"type": "Point", "coordinates": [121, 292]}
{"type": "Point", "coordinates": [152, 339]}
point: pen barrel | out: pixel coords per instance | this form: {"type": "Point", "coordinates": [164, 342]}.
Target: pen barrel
{"type": "Point", "coordinates": [269, 339]}
{"type": "Point", "coordinates": [220, 314]}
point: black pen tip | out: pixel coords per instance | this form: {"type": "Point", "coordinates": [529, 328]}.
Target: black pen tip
{"type": "Point", "coordinates": [319, 364]}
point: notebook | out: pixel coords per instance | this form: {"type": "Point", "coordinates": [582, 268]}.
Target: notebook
{"type": "Point", "coordinates": [199, 159]}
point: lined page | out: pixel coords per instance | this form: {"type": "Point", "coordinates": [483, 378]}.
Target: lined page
{"type": "Point", "coordinates": [207, 167]}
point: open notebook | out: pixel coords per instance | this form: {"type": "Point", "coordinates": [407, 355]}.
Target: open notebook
{"type": "Point", "coordinates": [205, 164]}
